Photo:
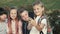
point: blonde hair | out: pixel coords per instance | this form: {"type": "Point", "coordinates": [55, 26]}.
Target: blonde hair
{"type": "Point", "coordinates": [41, 4]}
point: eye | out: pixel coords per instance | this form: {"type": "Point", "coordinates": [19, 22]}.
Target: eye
{"type": "Point", "coordinates": [14, 13]}
{"type": "Point", "coordinates": [37, 8]}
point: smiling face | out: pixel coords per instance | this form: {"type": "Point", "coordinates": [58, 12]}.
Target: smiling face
{"type": "Point", "coordinates": [24, 15]}
{"type": "Point", "coordinates": [38, 9]}
{"type": "Point", "coordinates": [13, 14]}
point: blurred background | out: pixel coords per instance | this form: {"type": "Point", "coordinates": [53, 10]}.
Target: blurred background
{"type": "Point", "coordinates": [52, 10]}
{"type": "Point", "coordinates": [50, 4]}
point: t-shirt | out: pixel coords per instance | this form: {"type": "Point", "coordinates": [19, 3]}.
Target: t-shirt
{"type": "Point", "coordinates": [3, 27]}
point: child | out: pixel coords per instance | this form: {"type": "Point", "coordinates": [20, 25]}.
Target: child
{"type": "Point", "coordinates": [41, 23]}
{"type": "Point", "coordinates": [26, 20]}
{"type": "Point", "coordinates": [14, 25]}
{"type": "Point", "coordinates": [3, 21]}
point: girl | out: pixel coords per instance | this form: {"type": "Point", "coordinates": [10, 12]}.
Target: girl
{"type": "Point", "coordinates": [14, 25]}
{"type": "Point", "coordinates": [40, 26]}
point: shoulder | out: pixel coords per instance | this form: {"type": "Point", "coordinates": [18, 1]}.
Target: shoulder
{"type": "Point", "coordinates": [44, 20]}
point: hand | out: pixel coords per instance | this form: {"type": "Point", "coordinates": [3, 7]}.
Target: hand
{"type": "Point", "coordinates": [33, 22]}
{"type": "Point", "coordinates": [29, 26]}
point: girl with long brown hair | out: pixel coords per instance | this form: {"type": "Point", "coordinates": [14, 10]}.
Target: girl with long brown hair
{"type": "Point", "coordinates": [14, 25]}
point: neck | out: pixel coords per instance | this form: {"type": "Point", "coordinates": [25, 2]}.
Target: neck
{"type": "Point", "coordinates": [13, 20]}
{"type": "Point", "coordinates": [40, 15]}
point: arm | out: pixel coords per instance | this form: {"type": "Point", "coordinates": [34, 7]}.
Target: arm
{"type": "Point", "coordinates": [41, 25]}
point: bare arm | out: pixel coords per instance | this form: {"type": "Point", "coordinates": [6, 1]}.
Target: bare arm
{"type": "Point", "coordinates": [41, 25]}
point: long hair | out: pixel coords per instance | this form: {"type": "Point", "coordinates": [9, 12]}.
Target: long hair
{"type": "Point", "coordinates": [9, 23]}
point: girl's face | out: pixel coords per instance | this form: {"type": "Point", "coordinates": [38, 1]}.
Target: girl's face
{"type": "Point", "coordinates": [13, 13]}
{"type": "Point", "coordinates": [38, 9]}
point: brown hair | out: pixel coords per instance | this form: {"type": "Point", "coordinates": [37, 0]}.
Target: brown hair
{"type": "Point", "coordinates": [9, 24]}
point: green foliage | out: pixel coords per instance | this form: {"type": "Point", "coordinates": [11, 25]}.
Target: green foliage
{"type": "Point", "coordinates": [49, 4]}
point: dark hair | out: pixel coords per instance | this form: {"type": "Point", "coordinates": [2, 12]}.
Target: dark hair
{"type": "Point", "coordinates": [21, 10]}
{"type": "Point", "coordinates": [37, 3]}
{"type": "Point", "coordinates": [2, 11]}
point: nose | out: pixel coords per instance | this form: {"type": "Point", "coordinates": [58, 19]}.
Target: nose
{"type": "Point", "coordinates": [25, 17]}
{"type": "Point", "coordinates": [36, 11]}
{"type": "Point", "coordinates": [4, 16]}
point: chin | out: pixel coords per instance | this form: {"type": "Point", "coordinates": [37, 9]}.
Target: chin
{"type": "Point", "coordinates": [26, 20]}
{"type": "Point", "coordinates": [36, 13]}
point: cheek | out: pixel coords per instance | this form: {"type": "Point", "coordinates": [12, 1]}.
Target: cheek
{"type": "Point", "coordinates": [40, 11]}
{"type": "Point", "coordinates": [23, 18]}
{"type": "Point", "coordinates": [27, 16]}
{"type": "Point", "coordinates": [3, 17]}
{"type": "Point", "coordinates": [15, 15]}
{"type": "Point", "coordinates": [11, 15]}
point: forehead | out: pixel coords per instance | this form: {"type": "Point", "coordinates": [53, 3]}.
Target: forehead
{"type": "Point", "coordinates": [37, 5]}
{"type": "Point", "coordinates": [13, 10]}
{"type": "Point", "coordinates": [25, 12]}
